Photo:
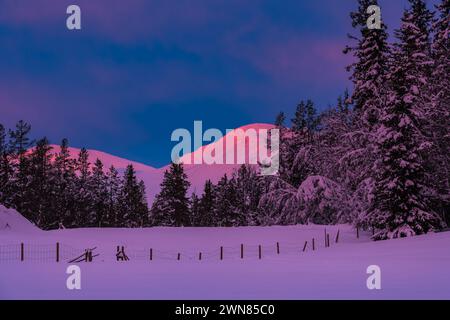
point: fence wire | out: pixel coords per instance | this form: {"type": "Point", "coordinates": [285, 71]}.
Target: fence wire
{"type": "Point", "coordinates": [65, 253]}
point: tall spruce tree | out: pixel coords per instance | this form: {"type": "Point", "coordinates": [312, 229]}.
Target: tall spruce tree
{"type": "Point", "coordinates": [371, 64]}
{"type": "Point", "coordinates": [83, 197]}
{"type": "Point", "coordinates": [19, 138]}
{"type": "Point", "coordinates": [400, 207]}
{"type": "Point", "coordinates": [19, 142]}
{"type": "Point", "coordinates": [194, 210]}
{"type": "Point", "coordinates": [305, 118]}
{"type": "Point", "coordinates": [438, 115]}
{"type": "Point", "coordinates": [5, 169]}
{"type": "Point", "coordinates": [114, 185]}
{"type": "Point", "coordinates": [206, 206]}
{"type": "Point", "coordinates": [280, 119]}
{"type": "Point", "coordinates": [133, 210]}
{"type": "Point", "coordinates": [171, 205]}
{"type": "Point", "coordinates": [65, 178]}
{"type": "Point", "coordinates": [249, 189]}
{"type": "Point", "coordinates": [226, 209]}
{"type": "Point", "coordinates": [39, 192]}
{"type": "Point", "coordinates": [99, 194]}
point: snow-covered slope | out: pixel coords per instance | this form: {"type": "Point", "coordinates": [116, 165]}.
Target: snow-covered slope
{"type": "Point", "coordinates": [12, 221]}
{"type": "Point", "coordinates": [107, 159]}
{"type": "Point", "coordinates": [197, 173]}
{"type": "Point", "coordinates": [411, 268]}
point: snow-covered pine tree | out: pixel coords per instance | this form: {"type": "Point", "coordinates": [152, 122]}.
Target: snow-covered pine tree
{"type": "Point", "coordinates": [19, 142]}
{"type": "Point", "coordinates": [279, 120]}
{"type": "Point", "coordinates": [65, 178]}
{"type": "Point", "coordinates": [133, 210]}
{"type": "Point", "coordinates": [114, 185]}
{"type": "Point", "coordinates": [194, 210]}
{"type": "Point", "coordinates": [294, 169]}
{"type": "Point", "coordinates": [206, 206]}
{"type": "Point", "coordinates": [305, 118]}
{"type": "Point", "coordinates": [171, 205]}
{"type": "Point", "coordinates": [5, 169]}
{"type": "Point", "coordinates": [19, 138]}
{"type": "Point", "coordinates": [40, 191]}
{"type": "Point", "coordinates": [400, 207]}
{"type": "Point", "coordinates": [99, 195]}
{"type": "Point", "coordinates": [370, 66]}
{"type": "Point", "coordinates": [83, 197]}
{"type": "Point", "coordinates": [228, 209]}
{"type": "Point", "coordinates": [355, 151]}
{"type": "Point", "coordinates": [142, 208]}
{"type": "Point", "coordinates": [249, 189]}
{"type": "Point", "coordinates": [439, 114]}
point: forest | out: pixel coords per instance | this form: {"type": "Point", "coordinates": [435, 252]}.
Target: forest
{"type": "Point", "coordinates": [378, 158]}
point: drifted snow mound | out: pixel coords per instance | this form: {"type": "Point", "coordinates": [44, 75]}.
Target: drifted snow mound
{"type": "Point", "coordinates": [12, 221]}
{"type": "Point", "coordinates": [318, 200]}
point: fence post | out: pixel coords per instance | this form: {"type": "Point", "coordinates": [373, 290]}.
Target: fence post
{"type": "Point", "coordinates": [151, 254]}
{"type": "Point", "coordinates": [325, 237]}
{"type": "Point", "coordinates": [278, 248]}
{"type": "Point", "coordinates": [221, 253]}
{"type": "Point", "coordinates": [242, 251]}
{"type": "Point", "coordinates": [313, 244]}
{"type": "Point", "coordinates": [304, 247]}
{"type": "Point", "coordinates": [357, 232]}
{"type": "Point", "coordinates": [328, 240]}
{"type": "Point", "coordinates": [22, 256]}
{"type": "Point", "coordinates": [337, 237]}
{"type": "Point", "coordinates": [260, 252]}
{"type": "Point", "coordinates": [57, 252]}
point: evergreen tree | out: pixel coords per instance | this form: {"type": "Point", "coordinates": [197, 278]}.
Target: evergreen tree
{"type": "Point", "coordinates": [370, 66]}
{"type": "Point", "coordinates": [114, 185]}
{"type": "Point", "coordinates": [133, 210]}
{"type": "Point", "coordinates": [19, 138]}
{"type": "Point", "coordinates": [249, 189]}
{"type": "Point", "coordinates": [99, 194]}
{"type": "Point", "coordinates": [400, 207]}
{"type": "Point", "coordinates": [171, 205]}
{"type": "Point", "coordinates": [225, 209]}
{"type": "Point", "coordinates": [3, 144]}
{"type": "Point", "coordinates": [39, 191]}
{"type": "Point", "coordinates": [65, 177]}
{"type": "Point", "coordinates": [195, 211]}
{"type": "Point", "coordinates": [142, 207]}
{"type": "Point", "coordinates": [83, 197]}
{"type": "Point", "coordinates": [206, 206]}
{"type": "Point", "coordinates": [438, 115]}
{"type": "Point", "coordinates": [19, 142]}
{"type": "Point", "coordinates": [305, 118]}
{"type": "Point", "coordinates": [280, 119]}
{"type": "Point", "coordinates": [6, 170]}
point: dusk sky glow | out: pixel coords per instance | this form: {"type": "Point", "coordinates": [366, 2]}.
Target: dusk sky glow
{"type": "Point", "coordinates": [139, 69]}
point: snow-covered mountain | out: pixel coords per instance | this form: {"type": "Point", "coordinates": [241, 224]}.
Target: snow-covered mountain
{"type": "Point", "coordinates": [197, 173]}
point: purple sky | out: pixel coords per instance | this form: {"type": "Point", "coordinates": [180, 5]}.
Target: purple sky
{"type": "Point", "coordinates": [139, 69]}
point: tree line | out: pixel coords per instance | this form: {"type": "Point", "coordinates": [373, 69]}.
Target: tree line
{"type": "Point", "coordinates": [378, 158]}
{"type": "Point", "coordinates": [53, 190]}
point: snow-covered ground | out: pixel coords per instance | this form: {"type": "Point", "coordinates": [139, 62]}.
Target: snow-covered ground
{"type": "Point", "coordinates": [411, 268]}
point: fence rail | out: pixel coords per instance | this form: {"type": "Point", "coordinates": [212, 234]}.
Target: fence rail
{"type": "Point", "coordinates": [59, 252]}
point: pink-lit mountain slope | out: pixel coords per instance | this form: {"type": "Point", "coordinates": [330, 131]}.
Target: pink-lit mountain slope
{"type": "Point", "coordinates": [197, 173]}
